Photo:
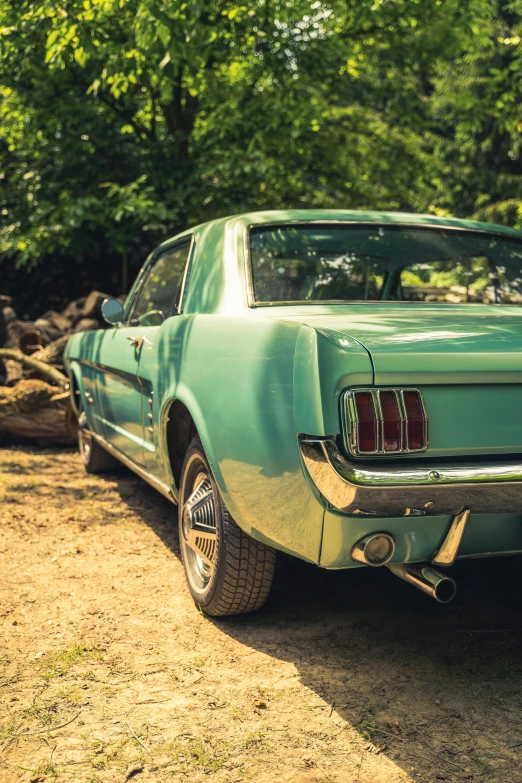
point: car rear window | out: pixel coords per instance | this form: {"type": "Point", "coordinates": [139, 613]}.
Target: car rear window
{"type": "Point", "coordinates": [353, 263]}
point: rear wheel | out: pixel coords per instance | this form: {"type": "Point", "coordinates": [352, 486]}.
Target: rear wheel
{"type": "Point", "coordinates": [95, 459]}
{"type": "Point", "coordinates": [227, 571]}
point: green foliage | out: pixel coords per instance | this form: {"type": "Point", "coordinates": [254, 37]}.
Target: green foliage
{"type": "Point", "coordinates": [123, 121]}
{"type": "Point", "coordinates": [477, 123]}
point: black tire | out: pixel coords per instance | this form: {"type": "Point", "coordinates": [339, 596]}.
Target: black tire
{"type": "Point", "coordinates": [237, 574]}
{"type": "Point", "coordinates": [95, 459]}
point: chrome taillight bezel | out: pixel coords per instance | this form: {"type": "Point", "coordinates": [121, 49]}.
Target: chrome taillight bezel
{"type": "Point", "coordinates": [350, 421]}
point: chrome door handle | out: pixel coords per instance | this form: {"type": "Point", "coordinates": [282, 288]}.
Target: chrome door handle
{"type": "Point", "coordinates": [137, 342]}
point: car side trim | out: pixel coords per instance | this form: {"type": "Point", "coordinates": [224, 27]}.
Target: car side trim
{"type": "Point", "coordinates": [410, 489]}
{"type": "Point", "coordinates": [138, 469]}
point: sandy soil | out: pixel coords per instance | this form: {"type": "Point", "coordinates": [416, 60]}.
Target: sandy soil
{"type": "Point", "coordinates": [108, 672]}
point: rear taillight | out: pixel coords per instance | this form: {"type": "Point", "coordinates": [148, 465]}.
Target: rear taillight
{"type": "Point", "coordinates": [416, 423]}
{"type": "Point", "coordinates": [366, 422]}
{"type": "Point", "coordinates": [391, 421]}
{"type": "Point", "coordinates": [385, 421]}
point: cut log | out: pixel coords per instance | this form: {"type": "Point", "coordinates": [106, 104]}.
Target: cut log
{"type": "Point", "coordinates": [24, 335]}
{"type": "Point", "coordinates": [9, 314]}
{"type": "Point", "coordinates": [30, 342]}
{"type": "Point", "coordinates": [14, 372]}
{"type": "Point", "coordinates": [73, 311]}
{"type": "Point", "coordinates": [33, 410]}
{"type": "Point", "coordinates": [28, 362]}
{"type": "Point", "coordinates": [53, 353]}
{"type": "Point", "coordinates": [48, 330]}
{"type": "Point", "coordinates": [93, 303]}
{"type": "Point", "coordinates": [87, 325]}
{"type": "Point", "coordinates": [57, 320]}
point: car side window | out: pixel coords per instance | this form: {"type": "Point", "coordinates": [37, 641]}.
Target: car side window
{"type": "Point", "coordinates": [160, 295]}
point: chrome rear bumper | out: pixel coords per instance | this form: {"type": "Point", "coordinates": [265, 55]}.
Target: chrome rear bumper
{"type": "Point", "coordinates": [409, 489]}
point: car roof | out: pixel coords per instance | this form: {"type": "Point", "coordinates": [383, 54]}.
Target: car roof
{"type": "Point", "coordinates": [350, 215]}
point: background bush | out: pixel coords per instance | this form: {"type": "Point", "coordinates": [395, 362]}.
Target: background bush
{"type": "Point", "coordinates": [125, 121]}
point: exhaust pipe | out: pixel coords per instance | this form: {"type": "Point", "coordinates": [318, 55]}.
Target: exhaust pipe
{"type": "Point", "coordinates": [427, 579]}
{"type": "Point", "coordinates": [375, 549]}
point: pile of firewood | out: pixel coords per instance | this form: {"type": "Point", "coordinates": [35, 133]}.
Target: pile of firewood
{"type": "Point", "coordinates": [34, 390]}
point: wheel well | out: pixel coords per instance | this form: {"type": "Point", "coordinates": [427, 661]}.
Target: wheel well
{"type": "Point", "coordinates": [180, 431]}
{"type": "Point", "coordinates": [75, 393]}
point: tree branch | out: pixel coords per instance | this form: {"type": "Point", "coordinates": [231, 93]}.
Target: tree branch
{"type": "Point", "coordinates": [139, 129]}
{"type": "Point", "coordinates": [54, 375]}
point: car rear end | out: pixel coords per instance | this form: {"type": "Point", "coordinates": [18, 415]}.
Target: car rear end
{"type": "Point", "coordinates": [423, 464]}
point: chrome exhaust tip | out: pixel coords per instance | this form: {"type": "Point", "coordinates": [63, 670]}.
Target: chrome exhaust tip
{"type": "Point", "coordinates": [425, 578]}
{"type": "Point", "coordinates": [375, 550]}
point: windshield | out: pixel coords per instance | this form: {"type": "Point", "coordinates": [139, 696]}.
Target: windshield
{"type": "Point", "coordinates": [353, 263]}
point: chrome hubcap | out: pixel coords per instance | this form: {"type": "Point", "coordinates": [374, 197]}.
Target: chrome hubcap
{"type": "Point", "coordinates": [199, 530]}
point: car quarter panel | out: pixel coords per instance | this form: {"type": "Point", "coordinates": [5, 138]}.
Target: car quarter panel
{"type": "Point", "coordinates": [235, 375]}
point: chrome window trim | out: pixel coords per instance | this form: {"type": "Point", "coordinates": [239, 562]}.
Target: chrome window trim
{"type": "Point", "coordinates": [350, 420]}
{"type": "Point", "coordinates": [188, 265]}
{"type": "Point", "coordinates": [151, 262]}
{"type": "Point", "coordinates": [252, 302]}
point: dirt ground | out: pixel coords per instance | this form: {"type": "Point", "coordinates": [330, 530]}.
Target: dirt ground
{"type": "Point", "coordinates": [108, 672]}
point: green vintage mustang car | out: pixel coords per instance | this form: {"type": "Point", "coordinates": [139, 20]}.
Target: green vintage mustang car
{"type": "Point", "coordinates": [342, 386]}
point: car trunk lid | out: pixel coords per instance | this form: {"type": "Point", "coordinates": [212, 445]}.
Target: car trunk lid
{"type": "Point", "coordinates": [432, 343]}
{"type": "Point", "coordinates": [466, 360]}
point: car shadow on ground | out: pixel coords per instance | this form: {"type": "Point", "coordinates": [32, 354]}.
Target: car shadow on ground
{"type": "Point", "coordinates": [436, 688]}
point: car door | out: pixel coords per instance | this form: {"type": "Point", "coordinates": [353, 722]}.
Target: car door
{"type": "Point", "coordinates": [127, 394]}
